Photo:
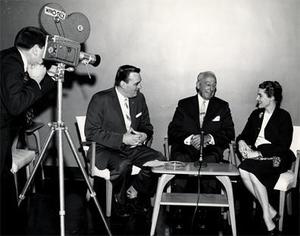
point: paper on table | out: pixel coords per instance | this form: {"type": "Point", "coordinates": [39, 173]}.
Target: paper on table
{"type": "Point", "coordinates": [154, 163]}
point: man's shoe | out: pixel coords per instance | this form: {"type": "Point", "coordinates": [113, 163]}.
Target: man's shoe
{"type": "Point", "coordinates": [121, 210]}
{"type": "Point", "coordinates": [276, 218]}
{"type": "Point", "coordinates": [139, 206]}
{"type": "Point", "coordinates": [273, 232]}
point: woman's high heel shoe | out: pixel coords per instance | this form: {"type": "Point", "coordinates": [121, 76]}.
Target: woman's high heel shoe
{"type": "Point", "coordinates": [273, 232]}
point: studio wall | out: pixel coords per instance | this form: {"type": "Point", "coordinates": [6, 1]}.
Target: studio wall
{"type": "Point", "coordinates": [244, 42]}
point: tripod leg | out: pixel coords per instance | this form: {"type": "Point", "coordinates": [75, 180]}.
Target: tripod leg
{"type": "Point", "coordinates": [93, 193]}
{"type": "Point", "coordinates": [61, 183]}
{"type": "Point", "coordinates": [22, 195]}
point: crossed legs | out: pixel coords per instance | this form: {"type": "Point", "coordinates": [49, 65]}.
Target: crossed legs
{"type": "Point", "coordinates": [259, 191]}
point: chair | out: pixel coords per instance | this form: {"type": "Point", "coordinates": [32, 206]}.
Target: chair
{"type": "Point", "coordinates": [288, 179]}
{"type": "Point", "coordinates": [25, 157]}
{"type": "Point", "coordinates": [33, 142]}
{"type": "Point", "coordinates": [92, 169]}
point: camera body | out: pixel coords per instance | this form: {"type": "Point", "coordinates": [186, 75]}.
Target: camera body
{"type": "Point", "coordinates": [60, 49]}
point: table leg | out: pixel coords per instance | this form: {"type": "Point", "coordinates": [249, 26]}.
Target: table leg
{"type": "Point", "coordinates": [162, 181]}
{"type": "Point", "coordinates": [225, 180]}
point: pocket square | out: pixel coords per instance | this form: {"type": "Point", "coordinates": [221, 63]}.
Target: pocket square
{"type": "Point", "coordinates": [138, 115]}
{"type": "Point", "coordinates": [217, 118]}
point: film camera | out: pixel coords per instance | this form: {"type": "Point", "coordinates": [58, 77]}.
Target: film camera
{"type": "Point", "coordinates": [60, 49]}
{"type": "Point", "coordinates": [66, 33]}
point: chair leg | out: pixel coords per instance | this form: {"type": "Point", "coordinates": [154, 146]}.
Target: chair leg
{"type": "Point", "coordinates": [109, 188]}
{"type": "Point", "coordinates": [43, 172]}
{"type": "Point", "coordinates": [88, 194]}
{"type": "Point", "coordinates": [281, 209]}
{"type": "Point", "coordinates": [16, 184]}
{"type": "Point", "coordinates": [37, 139]}
{"type": "Point", "coordinates": [29, 170]}
{"type": "Point", "coordinates": [289, 203]}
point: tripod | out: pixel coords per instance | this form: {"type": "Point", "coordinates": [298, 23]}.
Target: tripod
{"type": "Point", "coordinates": [60, 127]}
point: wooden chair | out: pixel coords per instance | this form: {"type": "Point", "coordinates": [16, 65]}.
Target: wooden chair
{"type": "Point", "coordinates": [288, 180]}
{"type": "Point", "coordinates": [25, 156]}
{"type": "Point", "coordinates": [92, 169]}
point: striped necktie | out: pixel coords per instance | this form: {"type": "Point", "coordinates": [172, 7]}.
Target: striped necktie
{"type": "Point", "coordinates": [127, 114]}
{"type": "Point", "coordinates": [202, 113]}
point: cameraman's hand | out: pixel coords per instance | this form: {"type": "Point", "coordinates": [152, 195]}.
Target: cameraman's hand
{"type": "Point", "coordinates": [131, 139]}
{"type": "Point", "coordinates": [52, 71]}
{"type": "Point", "coordinates": [36, 72]}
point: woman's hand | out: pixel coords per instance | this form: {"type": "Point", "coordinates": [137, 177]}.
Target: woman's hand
{"type": "Point", "coordinates": [247, 152]}
{"type": "Point", "coordinates": [244, 149]}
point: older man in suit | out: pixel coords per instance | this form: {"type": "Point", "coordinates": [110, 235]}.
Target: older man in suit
{"type": "Point", "coordinates": [118, 121]}
{"type": "Point", "coordinates": [202, 112]}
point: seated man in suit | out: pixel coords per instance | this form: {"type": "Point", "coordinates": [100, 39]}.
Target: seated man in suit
{"type": "Point", "coordinates": [202, 112]}
{"type": "Point", "coordinates": [118, 121]}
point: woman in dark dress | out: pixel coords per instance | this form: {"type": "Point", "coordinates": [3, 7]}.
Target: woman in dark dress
{"type": "Point", "coordinates": [264, 146]}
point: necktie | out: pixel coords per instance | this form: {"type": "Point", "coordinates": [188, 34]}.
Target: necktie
{"type": "Point", "coordinates": [202, 113]}
{"type": "Point", "coordinates": [127, 114]}
{"type": "Point", "coordinates": [29, 114]}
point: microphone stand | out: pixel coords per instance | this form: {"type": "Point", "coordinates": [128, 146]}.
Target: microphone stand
{"type": "Point", "coordinates": [200, 162]}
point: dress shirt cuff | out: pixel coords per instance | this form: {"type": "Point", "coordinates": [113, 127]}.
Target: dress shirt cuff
{"type": "Point", "coordinates": [51, 75]}
{"type": "Point", "coordinates": [212, 140]}
{"type": "Point", "coordinates": [187, 141]}
{"type": "Point", "coordinates": [37, 84]}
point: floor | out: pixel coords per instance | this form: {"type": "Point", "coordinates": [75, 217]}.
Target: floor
{"type": "Point", "coordinates": [41, 211]}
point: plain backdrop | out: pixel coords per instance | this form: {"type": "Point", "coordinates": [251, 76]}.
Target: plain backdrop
{"type": "Point", "coordinates": [244, 42]}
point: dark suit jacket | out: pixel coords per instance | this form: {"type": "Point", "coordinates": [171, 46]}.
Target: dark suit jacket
{"type": "Point", "coordinates": [105, 123]}
{"type": "Point", "coordinates": [16, 96]}
{"type": "Point", "coordinates": [217, 122]}
{"type": "Point", "coordinates": [279, 131]}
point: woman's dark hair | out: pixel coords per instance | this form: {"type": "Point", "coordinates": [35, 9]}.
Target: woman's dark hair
{"type": "Point", "coordinates": [123, 73]}
{"type": "Point", "coordinates": [272, 88]}
{"type": "Point", "coordinates": [29, 36]}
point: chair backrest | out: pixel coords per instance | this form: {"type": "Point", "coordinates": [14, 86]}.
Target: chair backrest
{"type": "Point", "coordinates": [232, 156]}
{"type": "Point", "coordinates": [167, 148]}
{"type": "Point", "coordinates": [81, 122]}
{"type": "Point", "coordinates": [15, 143]}
{"type": "Point", "coordinates": [295, 147]}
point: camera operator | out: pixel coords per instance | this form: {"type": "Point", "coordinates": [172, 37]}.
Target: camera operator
{"type": "Point", "coordinates": [24, 80]}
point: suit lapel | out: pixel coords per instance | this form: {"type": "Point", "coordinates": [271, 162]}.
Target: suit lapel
{"type": "Point", "coordinates": [272, 120]}
{"type": "Point", "coordinates": [194, 110]}
{"type": "Point", "coordinates": [211, 110]}
{"type": "Point", "coordinates": [116, 105]}
{"type": "Point", "coordinates": [133, 112]}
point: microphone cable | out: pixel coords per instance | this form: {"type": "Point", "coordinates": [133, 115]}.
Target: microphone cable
{"type": "Point", "coordinates": [198, 197]}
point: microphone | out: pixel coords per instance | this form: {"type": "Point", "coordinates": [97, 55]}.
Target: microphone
{"type": "Point", "coordinates": [200, 161]}
{"type": "Point", "coordinates": [201, 146]}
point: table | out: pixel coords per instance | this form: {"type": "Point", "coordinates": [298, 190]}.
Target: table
{"type": "Point", "coordinates": [222, 171]}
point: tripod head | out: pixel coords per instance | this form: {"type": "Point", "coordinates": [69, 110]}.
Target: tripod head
{"type": "Point", "coordinates": [59, 72]}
